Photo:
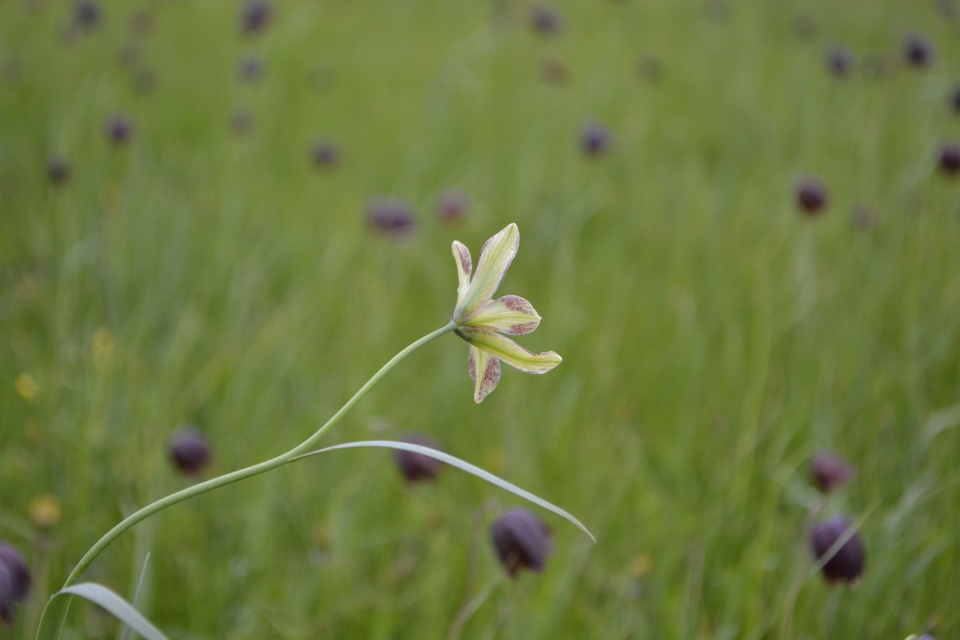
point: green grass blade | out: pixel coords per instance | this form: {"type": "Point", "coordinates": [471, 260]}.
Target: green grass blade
{"type": "Point", "coordinates": [127, 630]}
{"type": "Point", "coordinates": [460, 464]}
{"type": "Point", "coordinates": [55, 613]}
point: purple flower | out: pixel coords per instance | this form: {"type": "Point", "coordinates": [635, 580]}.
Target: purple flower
{"type": "Point", "coordinates": [58, 169]}
{"type": "Point", "coordinates": [325, 153]}
{"type": "Point", "coordinates": [829, 472]}
{"type": "Point", "coordinates": [846, 565]}
{"type": "Point", "coordinates": [918, 50]}
{"type": "Point", "coordinates": [840, 60]}
{"type": "Point", "coordinates": [391, 217]}
{"type": "Point", "coordinates": [416, 467]}
{"type": "Point", "coordinates": [545, 20]}
{"type": "Point", "coordinates": [452, 205]}
{"type": "Point", "coordinates": [594, 139]}
{"type": "Point", "coordinates": [189, 450]}
{"type": "Point", "coordinates": [255, 15]}
{"type": "Point", "coordinates": [14, 581]}
{"type": "Point", "coordinates": [86, 13]}
{"type": "Point", "coordinates": [250, 68]}
{"type": "Point", "coordinates": [950, 159]}
{"type": "Point", "coordinates": [118, 129]}
{"type": "Point", "coordinates": [521, 540]}
{"type": "Point", "coordinates": [811, 195]}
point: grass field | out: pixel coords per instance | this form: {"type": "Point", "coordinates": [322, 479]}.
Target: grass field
{"type": "Point", "coordinates": [714, 338]}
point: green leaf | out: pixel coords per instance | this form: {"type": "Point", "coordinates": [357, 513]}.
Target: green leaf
{"type": "Point", "coordinates": [55, 613]}
{"type": "Point", "coordinates": [460, 464]}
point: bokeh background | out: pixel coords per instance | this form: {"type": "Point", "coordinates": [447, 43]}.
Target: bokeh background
{"type": "Point", "coordinates": [215, 220]}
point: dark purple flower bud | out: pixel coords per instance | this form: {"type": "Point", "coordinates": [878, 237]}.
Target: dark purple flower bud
{"type": "Point", "coordinates": [811, 195]}
{"type": "Point", "coordinates": [594, 139]}
{"type": "Point", "coordinates": [918, 50]}
{"type": "Point", "coordinates": [391, 217]}
{"type": "Point", "coordinates": [255, 16]}
{"type": "Point", "coordinates": [14, 581]}
{"type": "Point", "coordinates": [118, 129]}
{"type": "Point", "coordinates": [545, 20]}
{"type": "Point", "coordinates": [521, 540]}
{"type": "Point", "coordinates": [829, 472]}
{"type": "Point", "coordinates": [846, 565]}
{"type": "Point", "coordinates": [189, 450]}
{"type": "Point", "coordinates": [950, 159]}
{"type": "Point", "coordinates": [554, 71]}
{"type": "Point", "coordinates": [86, 13]}
{"type": "Point", "coordinates": [325, 153]}
{"type": "Point", "coordinates": [840, 60]}
{"type": "Point", "coordinates": [452, 205]}
{"type": "Point", "coordinates": [58, 169]}
{"type": "Point", "coordinates": [250, 69]}
{"type": "Point", "coordinates": [416, 467]}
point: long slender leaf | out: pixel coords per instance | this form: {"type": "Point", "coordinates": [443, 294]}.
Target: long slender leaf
{"type": "Point", "coordinates": [55, 613]}
{"type": "Point", "coordinates": [460, 464]}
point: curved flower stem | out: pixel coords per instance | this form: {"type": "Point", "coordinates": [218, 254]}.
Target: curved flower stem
{"type": "Point", "coordinates": [256, 469]}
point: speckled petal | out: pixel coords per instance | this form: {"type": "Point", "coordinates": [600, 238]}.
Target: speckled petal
{"type": "Point", "coordinates": [485, 372]}
{"type": "Point", "coordinates": [464, 266]}
{"type": "Point", "coordinates": [510, 314]}
{"type": "Point", "coordinates": [495, 258]}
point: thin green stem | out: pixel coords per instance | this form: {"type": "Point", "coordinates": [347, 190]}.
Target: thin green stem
{"type": "Point", "coordinates": [256, 469]}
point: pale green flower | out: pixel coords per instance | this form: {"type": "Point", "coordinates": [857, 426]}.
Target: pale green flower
{"type": "Point", "coordinates": [480, 320]}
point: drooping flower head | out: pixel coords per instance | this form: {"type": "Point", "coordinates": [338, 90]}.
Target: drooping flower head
{"type": "Point", "coordinates": [481, 320]}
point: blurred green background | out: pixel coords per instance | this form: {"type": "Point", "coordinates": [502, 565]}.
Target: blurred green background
{"type": "Point", "coordinates": [714, 338]}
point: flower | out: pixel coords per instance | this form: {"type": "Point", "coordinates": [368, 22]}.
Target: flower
{"type": "Point", "coordinates": [480, 320]}
{"type": "Point", "coordinates": [14, 581]}
{"type": "Point", "coordinates": [846, 563]}
{"type": "Point", "coordinates": [829, 472]}
{"type": "Point", "coordinates": [521, 540]}
{"type": "Point", "coordinates": [189, 450]}
{"type": "Point", "coordinates": [416, 467]}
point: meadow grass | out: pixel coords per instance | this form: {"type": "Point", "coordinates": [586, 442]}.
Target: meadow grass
{"type": "Point", "coordinates": [713, 338]}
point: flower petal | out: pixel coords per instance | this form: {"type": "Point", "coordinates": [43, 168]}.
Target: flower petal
{"type": "Point", "coordinates": [509, 351]}
{"type": "Point", "coordinates": [495, 258]}
{"type": "Point", "coordinates": [464, 266]}
{"type": "Point", "coordinates": [510, 314]}
{"type": "Point", "coordinates": [485, 371]}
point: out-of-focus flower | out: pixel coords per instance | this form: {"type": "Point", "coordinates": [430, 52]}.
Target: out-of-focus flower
{"type": "Point", "coordinates": [325, 153]}
{"type": "Point", "coordinates": [416, 467]}
{"type": "Point", "coordinates": [58, 169]}
{"type": "Point", "coordinates": [241, 122]}
{"type": "Point", "coordinates": [14, 581]}
{"type": "Point", "coordinates": [391, 217]}
{"type": "Point", "coordinates": [86, 13]}
{"type": "Point", "coordinates": [829, 472]}
{"type": "Point", "coordinates": [452, 205]}
{"type": "Point", "coordinates": [554, 71]}
{"type": "Point", "coordinates": [846, 565]}
{"type": "Point", "coordinates": [839, 60]}
{"type": "Point", "coordinates": [521, 540]}
{"type": "Point", "coordinates": [26, 386]}
{"type": "Point", "coordinates": [950, 158]}
{"type": "Point", "coordinates": [918, 50]}
{"type": "Point", "coordinates": [811, 195]}
{"type": "Point", "coordinates": [118, 129]}
{"type": "Point", "coordinates": [545, 20]}
{"type": "Point", "coordinates": [250, 68]}
{"type": "Point", "coordinates": [255, 15]}
{"type": "Point", "coordinates": [594, 139]}
{"type": "Point", "coordinates": [44, 511]}
{"type": "Point", "coordinates": [481, 321]}
{"type": "Point", "coordinates": [189, 450]}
